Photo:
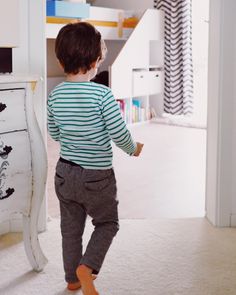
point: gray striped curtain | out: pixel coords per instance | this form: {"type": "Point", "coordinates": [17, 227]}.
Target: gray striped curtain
{"type": "Point", "coordinates": [178, 88]}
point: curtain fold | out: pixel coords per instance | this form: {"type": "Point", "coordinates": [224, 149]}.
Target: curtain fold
{"type": "Point", "coordinates": [178, 86]}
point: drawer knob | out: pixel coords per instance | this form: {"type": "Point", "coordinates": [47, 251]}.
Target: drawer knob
{"type": "Point", "coordinates": [8, 192]}
{"type": "Point", "coordinates": [5, 151]}
{"type": "Point", "coordinates": [2, 106]}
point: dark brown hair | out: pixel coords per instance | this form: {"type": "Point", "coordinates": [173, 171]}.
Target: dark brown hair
{"type": "Point", "coordinates": [78, 45]}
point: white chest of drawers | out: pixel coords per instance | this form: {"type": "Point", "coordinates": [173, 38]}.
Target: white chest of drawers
{"type": "Point", "coordinates": [23, 162]}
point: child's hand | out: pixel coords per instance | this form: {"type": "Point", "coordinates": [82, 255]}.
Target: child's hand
{"type": "Point", "coordinates": [138, 149]}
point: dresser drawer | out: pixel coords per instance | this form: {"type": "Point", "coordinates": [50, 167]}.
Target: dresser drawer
{"type": "Point", "coordinates": [155, 82]}
{"type": "Point", "coordinates": [12, 110]}
{"type": "Point", "coordinates": [140, 83]}
{"type": "Point", "coordinates": [15, 172]}
{"type": "Point", "coordinates": [147, 82]}
{"type": "Point", "coordinates": [16, 194]}
{"type": "Point", "coordinates": [15, 150]}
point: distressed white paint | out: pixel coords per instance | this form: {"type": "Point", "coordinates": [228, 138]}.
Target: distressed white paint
{"type": "Point", "coordinates": [15, 101]}
{"type": "Point", "coordinates": [27, 170]}
{"type": "Point", "coordinates": [30, 59]}
{"type": "Point", "coordinates": [39, 170]}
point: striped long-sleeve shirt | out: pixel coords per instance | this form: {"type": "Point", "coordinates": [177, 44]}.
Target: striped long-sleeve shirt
{"type": "Point", "coordinates": [84, 117]}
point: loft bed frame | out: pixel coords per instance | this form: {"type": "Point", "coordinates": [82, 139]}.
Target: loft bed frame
{"type": "Point", "coordinates": [112, 23]}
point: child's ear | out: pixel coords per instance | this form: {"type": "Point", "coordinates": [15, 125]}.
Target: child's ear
{"type": "Point", "coordinates": [94, 64]}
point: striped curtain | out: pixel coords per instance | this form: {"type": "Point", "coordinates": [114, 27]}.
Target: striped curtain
{"type": "Point", "coordinates": [178, 89]}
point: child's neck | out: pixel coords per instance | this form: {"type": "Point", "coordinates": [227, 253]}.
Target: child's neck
{"type": "Point", "coordinates": [78, 77]}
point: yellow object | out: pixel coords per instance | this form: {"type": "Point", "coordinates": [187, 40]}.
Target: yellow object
{"type": "Point", "coordinates": [127, 23]}
{"type": "Point", "coordinates": [33, 85]}
{"type": "Point", "coordinates": [130, 22]}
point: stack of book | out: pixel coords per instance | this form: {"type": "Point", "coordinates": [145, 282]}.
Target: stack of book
{"type": "Point", "coordinates": [138, 113]}
{"type": "Point", "coordinates": [125, 110]}
{"type": "Point", "coordinates": [133, 112]}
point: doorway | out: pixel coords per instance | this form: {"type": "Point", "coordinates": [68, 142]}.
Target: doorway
{"type": "Point", "coordinates": [168, 180]}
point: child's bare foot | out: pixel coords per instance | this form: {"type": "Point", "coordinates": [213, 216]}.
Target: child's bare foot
{"type": "Point", "coordinates": [77, 285]}
{"type": "Point", "coordinates": [73, 286]}
{"type": "Point", "coordinates": [84, 275]}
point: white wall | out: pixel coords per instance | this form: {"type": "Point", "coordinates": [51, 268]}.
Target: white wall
{"type": "Point", "coordinates": [21, 53]}
{"type": "Point", "coordinates": [200, 20]}
{"type": "Point", "coordinates": [221, 139]}
{"type": "Point", "coordinates": [29, 57]}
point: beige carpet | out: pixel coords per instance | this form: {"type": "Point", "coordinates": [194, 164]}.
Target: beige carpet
{"type": "Point", "coordinates": [167, 180]}
{"type": "Point", "coordinates": [148, 257]}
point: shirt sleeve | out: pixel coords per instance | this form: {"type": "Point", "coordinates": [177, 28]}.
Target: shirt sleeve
{"type": "Point", "coordinates": [52, 127]}
{"type": "Point", "coordinates": [115, 124]}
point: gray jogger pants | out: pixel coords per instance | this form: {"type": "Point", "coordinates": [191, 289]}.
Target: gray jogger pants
{"type": "Point", "coordinates": [83, 192]}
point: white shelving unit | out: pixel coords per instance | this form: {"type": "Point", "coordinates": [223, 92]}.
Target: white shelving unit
{"type": "Point", "coordinates": [141, 62]}
{"type": "Point", "coordinates": [135, 60]}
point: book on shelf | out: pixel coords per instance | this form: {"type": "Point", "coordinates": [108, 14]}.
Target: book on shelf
{"type": "Point", "coordinates": [140, 113]}
{"type": "Point", "coordinates": [133, 112]}
{"type": "Point", "coordinates": [136, 111]}
{"type": "Point", "coordinates": [124, 108]}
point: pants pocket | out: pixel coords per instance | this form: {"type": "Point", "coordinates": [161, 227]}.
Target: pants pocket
{"type": "Point", "coordinates": [100, 181]}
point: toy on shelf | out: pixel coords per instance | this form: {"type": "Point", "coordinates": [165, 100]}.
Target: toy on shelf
{"type": "Point", "coordinates": [68, 9]}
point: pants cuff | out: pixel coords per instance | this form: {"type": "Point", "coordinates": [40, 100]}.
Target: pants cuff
{"type": "Point", "coordinates": [95, 268]}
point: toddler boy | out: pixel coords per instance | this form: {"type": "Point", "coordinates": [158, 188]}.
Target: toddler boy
{"type": "Point", "coordinates": [84, 117]}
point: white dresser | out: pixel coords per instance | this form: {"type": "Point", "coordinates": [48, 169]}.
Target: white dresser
{"type": "Point", "coordinates": [23, 161]}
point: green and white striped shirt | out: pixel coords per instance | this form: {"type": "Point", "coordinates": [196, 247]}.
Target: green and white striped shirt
{"type": "Point", "coordinates": [84, 117]}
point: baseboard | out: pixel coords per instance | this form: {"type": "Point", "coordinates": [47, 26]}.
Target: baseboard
{"type": "Point", "coordinates": [179, 121]}
{"type": "Point", "coordinates": [16, 224]}
{"type": "Point", "coordinates": [4, 227]}
{"type": "Point", "coordinates": [12, 224]}
{"type": "Point", "coordinates": [233, 220]}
